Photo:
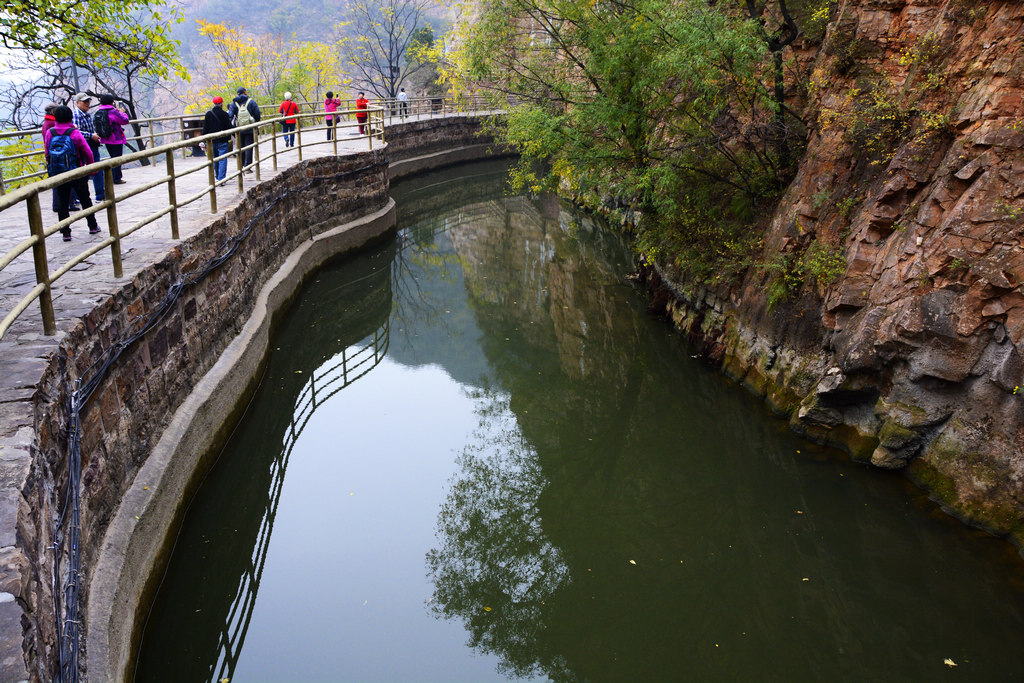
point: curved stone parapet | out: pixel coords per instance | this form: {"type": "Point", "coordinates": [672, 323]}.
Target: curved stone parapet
{"type": "Point", "coordinates": [171, 397]}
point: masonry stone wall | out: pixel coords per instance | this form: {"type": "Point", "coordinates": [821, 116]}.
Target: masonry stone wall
{"type": "Point", "coordinates": [153, 378]}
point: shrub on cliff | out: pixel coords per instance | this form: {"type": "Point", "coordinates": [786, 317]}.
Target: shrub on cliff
{"type": "Point", "coordinates": [669, 106]}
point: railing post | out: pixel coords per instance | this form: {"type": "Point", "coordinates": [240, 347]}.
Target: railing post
{"type": "Point", "coordinates": [181, 131]}
{"type": "Point", "coordinates": [212, 176]}
{"type": "Point", "coordinates": [239, 155]}
{"type": "Point", "coordinates": [298, 136]}
{"type": "Point", "coordinates": [108, 194]}
{"type": "Point", "coordinates": [273, 145]}
{"type": "Point", "coordinates": [256, 150]}
{"type": "Point", "coordinates": [3, 186]}
{"type": "Point", "coordinates": [152, 139]}
{"type": "Point", "coordinates": [172, 195]}
{"type": "Point", "coordinates": [333, 130]}
{"type": "Point", "coordinates": [369, 128]}
{"type": "Point", "coordinates": [35, 224]}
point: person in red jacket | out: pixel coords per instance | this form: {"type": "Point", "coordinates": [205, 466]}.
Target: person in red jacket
{"type": "Point", "coordinates": [287, 109]}
{"type": "Point", "coordinates": [62, 126]}
{"type": "Point", "coordinates": [361, 103]}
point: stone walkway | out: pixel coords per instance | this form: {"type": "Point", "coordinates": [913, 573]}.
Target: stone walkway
{"type": "Point", "coordinates": [78, 291]}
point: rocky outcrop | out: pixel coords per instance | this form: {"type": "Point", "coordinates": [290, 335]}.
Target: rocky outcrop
{"type": "Point", "coordinates": [914, 172]}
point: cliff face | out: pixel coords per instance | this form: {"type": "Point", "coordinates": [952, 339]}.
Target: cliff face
{"type": "Point", "coordinates": [913, 182]}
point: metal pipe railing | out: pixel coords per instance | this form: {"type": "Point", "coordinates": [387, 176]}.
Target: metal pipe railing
{"type": "Point", "coordinates": [28, 196]}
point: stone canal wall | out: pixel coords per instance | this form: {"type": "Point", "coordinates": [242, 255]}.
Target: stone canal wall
{"type": "Point", "coordinates": [149, 429]}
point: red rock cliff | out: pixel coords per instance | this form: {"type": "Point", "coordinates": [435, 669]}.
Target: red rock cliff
{"type": "Point", "coordinates": [914, 173]}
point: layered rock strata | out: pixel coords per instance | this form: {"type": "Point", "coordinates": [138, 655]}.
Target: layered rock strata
{"type": "Point", "coordinates": [914, 358]}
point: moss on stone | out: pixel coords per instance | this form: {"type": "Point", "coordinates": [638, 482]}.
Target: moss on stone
{"type": "Point", "coordinates": [936, 471]}
{"type": "Point", "coordinates": [893, 435]}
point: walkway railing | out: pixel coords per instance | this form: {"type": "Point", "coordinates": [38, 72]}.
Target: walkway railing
{"type": "Point", "coordinates": [38, 231]}
{"type": "Point", "coordinates": [27, 163]}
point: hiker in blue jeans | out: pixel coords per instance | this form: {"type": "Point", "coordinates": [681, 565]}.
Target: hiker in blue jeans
{"type": "Point", "coordinates": [215, 121]}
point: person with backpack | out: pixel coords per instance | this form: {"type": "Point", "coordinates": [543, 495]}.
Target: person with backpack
{"type": "Point", "coordinates": [243, 112]}
{"type": "Point", "coordinates": [109, 122]}
{"type": "Point", "coordinates": [67, 150]}
{"type": "Point", "coordinates": [48, 123]}
{"type": "Point", "coordinates": [288, 109]}
{"type": "Point", "coordinates": [330, 106]}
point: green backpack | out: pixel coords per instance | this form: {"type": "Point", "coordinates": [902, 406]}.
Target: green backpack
{"type": "Point", "coordinates": [243, 117]}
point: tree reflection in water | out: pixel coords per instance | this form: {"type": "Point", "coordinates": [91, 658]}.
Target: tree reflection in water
{"type": "Point", "coordinates": [496, 570]}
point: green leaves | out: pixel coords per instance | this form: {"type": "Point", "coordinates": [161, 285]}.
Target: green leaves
{"type": "Point", "coordinates": [117, 34]}
{"type": "Point", "coordinates": [660, 106]}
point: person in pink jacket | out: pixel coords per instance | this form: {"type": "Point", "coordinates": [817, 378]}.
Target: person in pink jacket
{"type": "Point", "coordinates": [63, 126]}
{"type": "Point", "coordinates": [115, 140]}
{"type": "Point", "coordinates": [330, 106]}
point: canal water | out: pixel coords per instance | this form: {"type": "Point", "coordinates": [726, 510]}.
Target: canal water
{"type": "Point", "coordinates": [474, 456]}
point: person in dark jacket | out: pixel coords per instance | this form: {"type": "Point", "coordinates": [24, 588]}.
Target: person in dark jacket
{"type": "Point", "coordinates": [64, 126]}
{"type": "Point", "coordinates": [218, 120]}
{"type": "Point", "coordinates": [244, 111]}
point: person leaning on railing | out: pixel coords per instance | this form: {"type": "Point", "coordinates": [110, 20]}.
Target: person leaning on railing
{"type": "Point", "coordinates": [80, 156]}
{"type": "Point", "coordinates": [215, 121]}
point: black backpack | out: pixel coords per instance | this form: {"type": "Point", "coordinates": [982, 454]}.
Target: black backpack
{"type": "Point", "coordinates": [101, 121]}
{"type": "Point", "coordinates": [63, 155]}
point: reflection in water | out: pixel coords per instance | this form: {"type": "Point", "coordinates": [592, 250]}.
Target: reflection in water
{"type": "Point", "coordinates": [613, 511]}
{"type": "Point", "coordinates": [497, 570]}
{"type": "Point", "coordinates": [337, 350]}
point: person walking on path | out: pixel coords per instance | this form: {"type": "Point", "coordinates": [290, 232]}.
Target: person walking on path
{"type": "Point", "coordinates": [403, 103]}
{"type": "Point", "coordinates": [243, 112]}
{"type": "Point", "coordinates": [287, 109]}
{"type": "Point", "coordinates": [361, 103]}
{"type": "Point", "coordinates": [65, 150]}
{"type": "Point", "coordinates": [109, 122]}
{"type": "Point", "coordinates": [331, 105]}
{"type": "Point", "coordinates": [48, 123]}
{"type": "Point", "coordinates": [216, 121]}
{"type": "Point", "coordinates": [83, 121]}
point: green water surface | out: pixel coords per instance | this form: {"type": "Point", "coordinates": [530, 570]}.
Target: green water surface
{"type": "Point", "coordinates": [475, 456]}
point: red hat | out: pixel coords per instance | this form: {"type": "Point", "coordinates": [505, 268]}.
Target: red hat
{"type": "Point", "coordinates": [218, 100]}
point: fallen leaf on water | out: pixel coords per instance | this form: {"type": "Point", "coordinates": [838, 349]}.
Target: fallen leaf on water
{"type": "Point", "coordinates": [948, 662]}
{"type": "Point", "coordinates": [487, 609]}
{"type": "Point", "coordinates": [632, 561]}
{"type": "Point", "coordinates": [805, 579]}
{"type": "Point", "coordinates": [298, 372]}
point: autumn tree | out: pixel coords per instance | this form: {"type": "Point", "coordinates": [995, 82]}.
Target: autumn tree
{"type": "Point", "coordinates": [652, 108]}
{"type": "Point", "coordinates": [379, 35]}
{"type": "Point", "coordinates": [268, 65]}
{"type": "Point", "coordinates": [62, 52]}
{"type": "Point", "coordinates": [316, 68]}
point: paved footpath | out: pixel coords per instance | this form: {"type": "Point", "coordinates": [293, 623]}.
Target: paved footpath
{"type": "Point", "coordinates": [24, 347]}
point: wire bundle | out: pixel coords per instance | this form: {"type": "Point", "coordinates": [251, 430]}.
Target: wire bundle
{"type": "Point", "coordinates": [67, 614]}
